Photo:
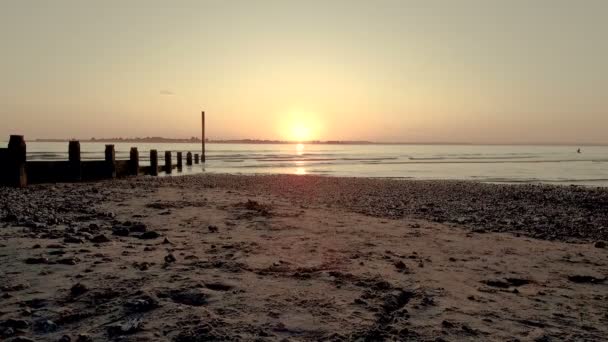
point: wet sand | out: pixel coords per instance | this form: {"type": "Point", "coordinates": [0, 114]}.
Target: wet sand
{"type": "Point", "coordinates": [219, 257]}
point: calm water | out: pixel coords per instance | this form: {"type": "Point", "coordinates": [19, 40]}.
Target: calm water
{"type": "Point", "coordinates": [547, 164]}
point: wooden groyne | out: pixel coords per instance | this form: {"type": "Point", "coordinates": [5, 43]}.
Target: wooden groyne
{"type": "Point", "coordinates": [17, 171]}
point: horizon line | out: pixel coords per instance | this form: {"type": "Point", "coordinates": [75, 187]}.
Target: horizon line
{"type": "Point", "coordinates": [312, 142]}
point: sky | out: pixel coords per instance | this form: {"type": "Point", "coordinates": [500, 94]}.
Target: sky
{"type": "Point", "coordinates": [471, 71]}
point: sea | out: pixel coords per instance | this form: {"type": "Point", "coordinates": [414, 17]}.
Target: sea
{"type": "Point", "coordinates": [484, 163]}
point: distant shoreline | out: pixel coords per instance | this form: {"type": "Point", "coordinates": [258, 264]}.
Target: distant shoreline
{"type": "Point", "coordinates": [314, 142]}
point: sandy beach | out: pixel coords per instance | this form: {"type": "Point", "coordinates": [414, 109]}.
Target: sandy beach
{"type": "Point", "coordinates": [302, 258]}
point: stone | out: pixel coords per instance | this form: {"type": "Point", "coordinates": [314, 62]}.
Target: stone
{"type": "Point", "coordinates": [78, 289]}
{"type": "Point", "coordinates": [213, 229]}
{"type": "Point", "coordinates": [72, 239]}
{"type": "Point", "coordinates": [45, 326]}
{"type": "Point", "coordinates": [149, 235]}
{"type": "Point", "coordinates": [120, 231]}
{"type": "Point", "coordinates": [100, 239]}
{"type": "Point", "coordinates": [34, 261]}
{"type": "Point", "coordinates": [138, 228]}
{"type": "Point", "coordinates": [15, 323]}
{"type": "Point", "coordinates": [600, 244]}
{"type": "Point", "coordinates": [84, 338]}
{"type": "Point", "coordinates": [170, 258]}
{"type": "Point", "coordinates": [65, 338]}
{"type": "Point", "coordinates": [400, 265]}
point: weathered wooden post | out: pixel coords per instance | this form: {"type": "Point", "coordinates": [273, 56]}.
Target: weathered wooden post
{"type": "Point", "coordinates": [203, 159]}
{"type": "Point", "coordinates": [111, 161]}
{"type": "Point", "coordinates": [179, 161]}
{"type": "Point", "coordinates": [154, 162]}
{"type": "Point", "coordinates": [196, 158]}
{"type": "Point", "coordinates": [168, 162]}
{"type": "Point", "coordinates": [134, 161]}
{"type": "Point", "coordinates": [189, 159]}
{"type": "Point", "coordinates": [75, 160]}
{"type": "Point", "coordinates": [16, 175]}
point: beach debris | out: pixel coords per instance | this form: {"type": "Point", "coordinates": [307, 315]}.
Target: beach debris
{"type": "Point", "coordinates": [144, 303]}
{"type": "Point", "coordinates": [213, 229]}
{"type": "Point", "coordinates": [506, 282]}
{"type": "Point", "coordinates": [131, 326]}
{"type": "Point", "coordinates": [166, 241]}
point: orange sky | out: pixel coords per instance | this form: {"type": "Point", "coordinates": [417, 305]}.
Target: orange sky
{"type": "Point", "coordinates": [467, 71]}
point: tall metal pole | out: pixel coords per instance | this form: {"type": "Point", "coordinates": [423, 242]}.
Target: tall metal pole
{"type": "Point", "coordinates": [203, 137]}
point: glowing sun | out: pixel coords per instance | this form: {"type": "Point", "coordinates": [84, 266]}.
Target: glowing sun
{"type": "Point", "coordinates": [299, 126]}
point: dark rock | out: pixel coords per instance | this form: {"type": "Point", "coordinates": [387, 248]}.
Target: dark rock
{"type": "Point", "coordinates": [15, 323]}
{"type": "Point", "coordinates": [72, 239]}
{"type": "Point", "coordinates": [84, 338]}
{"type": "Point", "coordinates": [34, 261]}
{"type": "Point", "coordinates": [65, 338]}
{"type": "Point", "coordinates": [219, 286]}
{"type": "Point", "coordinates": [170, 258]}
{"type": "Point", "coordinates": [45, 326]}
{"type": "Point", "coordinates": [586, 279]}
{"type": "Point", "coordinates": [213, 229]}
{"type": "Point", "coordinates": [600, 244]}
{"type": "Point", "coordinates": [400, 265]}
{"type": "Point", "coordinates": [189, 297]}
{"type": "Point", "coordinates": [120, 231]}
{"type": "Point", "coordinates": [138, 228]}
{"type": "Point", "coordinates": [21, 339]}
{"type": "Point", "coordinates": [68, 261]}
{"type": "Point", "coordinates": [149, 235]}
{"type": "Point", "coordinates": [100, 239]}
{"type": "Point", "coordinates": [78, 289]}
